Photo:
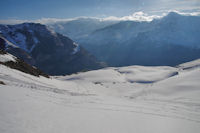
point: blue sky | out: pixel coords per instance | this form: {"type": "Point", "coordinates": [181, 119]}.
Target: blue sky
{"type": "Point", "coordinates": [36, 9]}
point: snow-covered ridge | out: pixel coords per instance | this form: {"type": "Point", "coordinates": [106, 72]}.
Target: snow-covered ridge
{"type": "Point", "coordinates": [8, 43]}
{"type": "Point", "coordinates": [7, 57]}
{"type": "Point", "coordinates": [190, 65]}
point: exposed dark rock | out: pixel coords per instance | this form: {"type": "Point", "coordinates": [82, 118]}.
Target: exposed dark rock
{"type": "Point", "coordinates": [2, 83]}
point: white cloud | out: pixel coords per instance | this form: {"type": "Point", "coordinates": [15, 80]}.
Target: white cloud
{"type": "Point", "coordinates": [51, 20]}
{"type": "Point", "coordinates": [137, 16]}
{"type": "Point", "coordinates": [13, 21]}
{"type": "Point", "coordinates": [187, 13]}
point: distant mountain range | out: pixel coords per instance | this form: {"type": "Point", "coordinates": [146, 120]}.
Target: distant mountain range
{"type": "Point", "coordinates": [171, 40]}
{"type": "Point", "coordinates": [80, 27]}
{"type": "Point", "coordinates": [40, 46]}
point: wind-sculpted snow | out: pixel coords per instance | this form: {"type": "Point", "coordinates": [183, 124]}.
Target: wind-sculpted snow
{"type": "Point", "coordinates": [125, 99]}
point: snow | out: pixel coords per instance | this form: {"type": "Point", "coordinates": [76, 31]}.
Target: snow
{"type": "Point", "coordinates": [36, 41]}
{"type": "Point", "coordinates": [111, 100]}
{"type": "Point", "coordinates": [190, 65]}
{"type": "Point", "coordinates": [14, 37]}
{"type": "Point", "coordinates": [20, 40]}
{"type": "Point", "coordinates": [8, 43]}
{"type": "Point", "coordinates": [76, 49]}
{"type": "Point", "coordinates": [7, 57]}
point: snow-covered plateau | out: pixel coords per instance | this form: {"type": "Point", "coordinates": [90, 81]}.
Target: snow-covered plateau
{"type": "Point", "coordinates": [133, 99]}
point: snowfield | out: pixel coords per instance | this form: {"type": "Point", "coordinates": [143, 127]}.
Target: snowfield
{"type": "Point", "coordinates": [134, 99]}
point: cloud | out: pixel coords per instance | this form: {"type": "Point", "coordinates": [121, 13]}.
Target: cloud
{"type": "Point", "coordinates": [137, 16]}
{"type": "Point", "coordinates": [187, 14]}
{"type": "Point", "coordinates": [181, 13]}
{"type": "Point", "coordinates": [13, 21]}
{"type": "Point", "coordinates": [51, 20]}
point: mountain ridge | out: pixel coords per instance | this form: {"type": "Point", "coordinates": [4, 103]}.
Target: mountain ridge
{"type": "Point", "coordinates": [50, 51]}
{"type": "Point", "coordinates": [174, 33]}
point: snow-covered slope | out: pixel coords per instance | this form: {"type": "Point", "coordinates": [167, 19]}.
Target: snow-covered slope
{"type": "Point", "coordinates": [190, 65]}
{"type": "Point", "coordinates": [127, 99]}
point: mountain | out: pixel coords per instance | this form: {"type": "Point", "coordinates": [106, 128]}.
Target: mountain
{"type": "Point", "coordinates": [116, 99]}
{"type": "Point", "coordinates": [174, 28]}
{"type": "Point", "coordinates": [171, 40]}
{"type": "Point", "coordinates": [40, 46]}
{"type": "Point", "coordinates": [80, 27]}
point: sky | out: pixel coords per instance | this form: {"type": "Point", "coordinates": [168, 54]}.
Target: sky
{"type": "Point", "coordinates": [61, 9]}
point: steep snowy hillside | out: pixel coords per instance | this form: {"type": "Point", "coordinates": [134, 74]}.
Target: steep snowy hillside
{"type": "Point", "coordinates": [42, 47]}
{"type": "Point", "coordinates": [125, 99]}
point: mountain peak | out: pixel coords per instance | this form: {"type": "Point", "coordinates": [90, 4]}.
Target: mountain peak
{"type": "Point", "coordinates": [172, 15]}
